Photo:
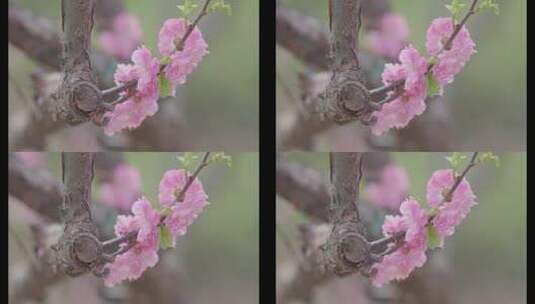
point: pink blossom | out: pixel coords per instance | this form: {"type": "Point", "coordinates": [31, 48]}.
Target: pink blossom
{"type": "Point", "coordinates": [143, 102]}
{"type": "Point", "coordinates": [33, 160]}
{"type": "Point", "coordinates": [183, 59]}
{"type": "Point", "coordinates": [183, 215]}
{"type": "Point", "coordinates": [400, 263]}
{"type": "Point", "coordinates": [123, 187]}
{"type": "Point", "coordinates": [449, 61]}
{"type": "Point", "coordinates": [172, 184]}
{"type": "Point", "coordinates": [123, 36]}
{"type": "Point", "coordinates": [450, 213]}
{"type": "Point", "coordinates": [131, 264]}
{"type": "Point", "coordinates": [399, 112]}
{"type": "Point", "coordinates": [390, 36]}
{"type": "Point", "coordinates": [185, 212]}
{"type": "Point", "coordinates": [391, 188]}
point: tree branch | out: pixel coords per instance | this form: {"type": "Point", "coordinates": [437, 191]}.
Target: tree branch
{"type": "Point", "coordinates": [36, 189]}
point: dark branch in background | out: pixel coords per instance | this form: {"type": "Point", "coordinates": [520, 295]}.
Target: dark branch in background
{"type": "Point", "coordinates": [33, 283]}
{"type": "Point", "coordinates": [36, 189]}
{"type": "Point", "coordinates": [304, 188]}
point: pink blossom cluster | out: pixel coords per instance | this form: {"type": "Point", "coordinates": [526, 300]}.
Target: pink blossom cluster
{"type": "Point", "coordinates": [183, 58]}
{"type": "Point", "coordinates": [123, 36]}
{"type": "Point", "coordinates": [180, 211]}
{"type": "Point", "coordinates": [400, 263]}
{"type": "Point", "coordinates": [391, 188]}
{"type": "Point", "coordinates": [180, 60]}
{"type": "Point", "coordinates": [443, 215]}
{"type": "Point", "coordinates": [184, 208]}
{"type": "Point", "coordinates": [390, 36]}
{"type": "Point", "coordinates": [144, 254]}
{"type": "Point", "coordinates": [143, 101]}
{"type": "Point", "coordinates": [126, 178]}
{"type": "Point", "coordinates": [451, 211]}
{"type": "Point", "coordinates": [445, 61]}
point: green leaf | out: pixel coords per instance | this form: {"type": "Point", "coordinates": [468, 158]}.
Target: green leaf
{"type": "Point", "coordinates": [488, 157]}
{"type": "Point", "coordinates": [433, 87]}
{"type": "Point", "coordinates": [164, 86]}
{"type": "Point", "coordinates": [188, 8]}
{"type": "Point", "coordinates": [490, 5]}
{"type": "Point", "coordinates": [221, 158]}
{"type": "Point", "coordinates": [220, 5]}
{"type": "Point", "coordinates": [433, 239]}
{"type": "Point", "coordinates": [166, 239]}
{"type": "Point", "coordinates": [165, 60]}
{"type": "Point", "coordinates": [188, 160]}
{"type": "Point", "coordinates": [456, 8]}
{"type": "Point", "coordinates": [456, 161]}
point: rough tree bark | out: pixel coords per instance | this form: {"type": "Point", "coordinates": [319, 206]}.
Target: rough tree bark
{"type": "Point", "coordinates": [78, 99]}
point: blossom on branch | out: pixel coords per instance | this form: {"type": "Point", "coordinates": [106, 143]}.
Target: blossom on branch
{"type": "Point", "coordinates": [141, 103]}
{"type": "Point", "coordinates": [411, 254]}
{"type": "Point", "coordinates": [411, 102]}
{"type": "Point", "coordinates": [184, 56]}
{"type": "Point", "coordinates": [185, 208]}
{"type": "Point", "coordinates": [451, 210]}
{"type": "Point", "coordinates": [144, 254]}
{"type": "Point", "coordinates": [450, 58]}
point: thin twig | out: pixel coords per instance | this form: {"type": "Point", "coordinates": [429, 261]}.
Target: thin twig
{"type": "Point", "coordinates": [458, 179]}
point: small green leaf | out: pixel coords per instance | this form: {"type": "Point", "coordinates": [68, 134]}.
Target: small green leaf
{"type": "Point", "coordinates": [166, 239]}
{"type": "Point", "coordinates": [164, 86]}
{"type": "Point", "coordinates": [165, 60]}
{"type": "Point", "coordinates": [188, 160]}
{"type": "Point", "coordinates": [433, 239]}
{"type": "Point", "coordinates": [491, 5]}
{"type": "Point", "coordinates": [456, 8]}
{"type": "Point", "coordinates": [187, 8]}
{"type": "Point", "coordinates": [220, 5]}
{"type": "Point", "coordinates": [456, 161]}
{"type": "Point", "coordinates": [488, 157]}
{"type": "Point", "coordinates": [433, 87]}
{"type": "Point", "coordinates": [221, 158]}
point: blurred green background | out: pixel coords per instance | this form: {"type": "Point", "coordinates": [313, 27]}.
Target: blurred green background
{"type": "Point", "coordinates": [220, 98]}
{"type": "Point", "coordinates": [219, 254]}
{"type": "Point", "coordinates": [488, 98]}
{"type": "Point", "coordinates": [487, 253]}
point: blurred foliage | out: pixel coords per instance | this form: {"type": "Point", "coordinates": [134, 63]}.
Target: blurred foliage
{"type": "Point", "coordinates": [219, 253]}
{"type": "Point", "coordinates": [488, 250]}
{"type": "Point", "coordinates": [488, 98]}
{"type": "Point", "coordinates": [220, 97]}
